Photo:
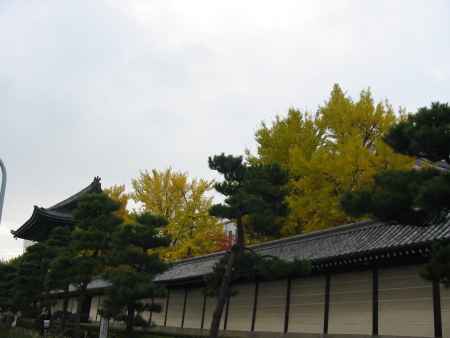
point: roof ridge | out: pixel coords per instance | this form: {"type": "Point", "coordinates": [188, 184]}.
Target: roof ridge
{"type": "Point", "coordinates": [337, 229]}
{"type": "Point", "coordinates": [95, 185]}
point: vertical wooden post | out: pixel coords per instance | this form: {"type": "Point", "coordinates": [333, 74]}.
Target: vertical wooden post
{"type": "Point", "coordinates": [327, 304]}
{"type": "Point", "coordinates": [437, 309]}
{"type": "Point", "coordinates": [184, 306]}
{"type": "Point", "coordinates": [225, 321]}
{"type": "Point", "coordinates": [288, 305]}
{"type": "Point", "coordinates": [167, 307]}
{"type": "Point", "coordinates": [375, 301]}
{"type": "Point", "coordinates": [203, 309]}
{"type": "Point", "coordinates": [255, 306]}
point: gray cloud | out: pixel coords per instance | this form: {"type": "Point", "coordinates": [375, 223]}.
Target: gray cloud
{"type": "Point", "coordinates": [111, 87]}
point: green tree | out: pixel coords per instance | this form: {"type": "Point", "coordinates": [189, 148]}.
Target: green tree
{"type": "Point", "coordinates": [338, 149]}
{"type": "Point", "coordinates": [8, 272]}
{"type": "Point", "coordinates": [133, 265]}
{"type": "Point", "coordinates": [419, 196]}
{"type": "Point", "coordinates": [185, 204]}
{"type": "Point", "coordinates": [424, 134]}
{"type": "Point", "coordinates": [255, 201]}
{"type": "Point", "coordinates": [91, 243]}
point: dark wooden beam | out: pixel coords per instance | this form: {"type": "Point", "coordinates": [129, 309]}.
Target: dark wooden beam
{"type": "Point", "coordinates": [203, 309]}
{"type": "Point", "coordinates": [375, 302]}
{"type": "Point", "coordinates": [327, 304]}
{"type": "Point", "coordinates": [167, 307]}
{"type": "Point", "coordinates": [288, 305]}
{"type": "Point", "coordinates": [437, 311]}
{"type": "Point", "coordinates": [186, 290]}
{"type": "Point", "coordinates": [225, 321]}
{"type": "Point", "coordinates": [255, 306]}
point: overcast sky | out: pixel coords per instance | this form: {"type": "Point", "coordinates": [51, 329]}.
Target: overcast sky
{"type": "Point", "coordinates": [109, 88]}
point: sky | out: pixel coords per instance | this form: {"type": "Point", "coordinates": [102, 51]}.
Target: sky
{"type": "Point", "coordinates": [110, 88]}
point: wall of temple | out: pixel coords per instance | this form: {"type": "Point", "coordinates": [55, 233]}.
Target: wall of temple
{"type": "Point", "coordinates": [405, 305]}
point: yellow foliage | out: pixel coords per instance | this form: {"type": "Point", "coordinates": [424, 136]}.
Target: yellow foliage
{"type": "Point", "coordinates": [337, 150]}
{"type": "Point", "coordinates": [185, 204]}
{"type": "Point", "coordinates": [117, 193]}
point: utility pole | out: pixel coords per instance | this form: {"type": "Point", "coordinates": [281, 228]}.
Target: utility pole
{"type": "Point", "coordinates": [2, 187]}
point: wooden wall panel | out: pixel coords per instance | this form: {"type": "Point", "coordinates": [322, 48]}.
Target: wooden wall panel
{"type": "Point", "coordinates": [158, 317]}
{"type": "Point", "coordinates": [241, 307]}
{"type": "Point", "coordinates": [406, 303]}
{"type": "Point", "coordinates": [271, 306]}
{"type": "Point", "coordinates": [194, 305]}
{"type": "Point", "coordinates": [307, 305]}
{"type": "Point", "coordinates": [445, 304]}
{"type": "Point", "coordinates": [351, 303]}
{"type": "Point", "coordinates": [175, 312]}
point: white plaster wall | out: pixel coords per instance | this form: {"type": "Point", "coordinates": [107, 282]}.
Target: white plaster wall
{"type": "Point", "coordinates": [445, 305]}
{"type": "Point", "coordinates": [271, 306]}
{"type": "Point", "coordinates": [306, 310]}
{"type": "Point", "coordinates": [406, 303]}
{"type": "Point", "coordinates": [93, 312]}
{"type": "Point", "coordinates": [241, 307]}
{"type": "Point", "coordinates": [351, 303]}
{"type": "Point", "coordinates": [209, 309]}
{"type": "Point", "coordinates": [158, 317]}
{"type": "Point", "coordinates": [175, 312]}
{"type": "Point", "coordinates": [194, 306]}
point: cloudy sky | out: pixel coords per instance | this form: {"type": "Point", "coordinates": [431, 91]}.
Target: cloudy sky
{"type": "Point", "coordinates": [109, 88]}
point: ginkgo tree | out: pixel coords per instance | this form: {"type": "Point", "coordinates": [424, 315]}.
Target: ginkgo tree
{"type": "Point", "coordinates": [339, 148]}
{"type": "Point", "coordinates": [184, 202]}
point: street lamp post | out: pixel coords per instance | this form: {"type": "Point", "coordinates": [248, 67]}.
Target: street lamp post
{"type": "Point", "coordinates": [2, 188]}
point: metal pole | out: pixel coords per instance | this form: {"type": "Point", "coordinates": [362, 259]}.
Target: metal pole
{"type": "Point", "coordinates": [2, 188]}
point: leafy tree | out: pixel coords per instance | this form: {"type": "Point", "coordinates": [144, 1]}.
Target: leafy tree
{"type": "Point", "coordinates": [424, 134]}
{"type": "Point", "coordinates": [8, 270]}
{"type": "Point", "coordinates": [410, 195]}
{"type": "Point", "coordinates": [185, 204]}
{"type": "Point", "coordinates": [62, 254]}
{"type": "Point", "coordinates": [91, 243]}
{"type": "Point", "coordinates": [117, 193]}
{"type": "Point", "coordinates": [134, 264]}
{"type": "Point", "coordinates": [338, 149]}
{"type": "Point", "coordinates": [29, 281]}
{"type": "Point", "coordinates": [254, 200]}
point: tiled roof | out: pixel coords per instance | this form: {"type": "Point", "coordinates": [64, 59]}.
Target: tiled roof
{"type": "Point", "coordinates": [357, 239]}
{"type": "Point", "coordinates": [60, 214]}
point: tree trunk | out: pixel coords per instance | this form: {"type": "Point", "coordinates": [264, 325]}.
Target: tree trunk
{"type": "Point", "coordinates": [224, 290]}
{"type": "Point", "coordinates": [130, 320]}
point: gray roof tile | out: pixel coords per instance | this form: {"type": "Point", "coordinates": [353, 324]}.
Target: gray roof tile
{"type": "Point", "coordinates": [353, 239]}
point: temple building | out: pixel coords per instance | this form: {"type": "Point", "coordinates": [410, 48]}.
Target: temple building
{"type": "Point", "coordinates": [43, 220]}
{"type": "Point", "coordinates": [365, 281]}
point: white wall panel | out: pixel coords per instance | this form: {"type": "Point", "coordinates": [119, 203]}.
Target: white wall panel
{"type": "Point", "coordinates": [241, 307]}
{"type": "Point", "coordinates": [271, 306]}
{"type": "Point", "coordinates": [194, 306]}
{"type": "Point", "coordinates": [209, 310]}
{"type": "Point", "coordinates": [93, 311]}
{"type": "Point", "coordinates": [406, 303]}
{"type": "Point", "coordinates": [307, 305]}
{"type": "Point", "coordinates": [175, 312]}
{"type": "Point", "coordinates": [351, 303]}
{"type": "Point", "coordinates": [158, 317]}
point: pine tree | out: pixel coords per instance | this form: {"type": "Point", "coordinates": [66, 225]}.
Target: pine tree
{"type": "Point", "coordinates": [134, 263]}
{"type": "Point", "coordinates": [91, 243]}
{"type": "Point", "coordinates": [255, 201]}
